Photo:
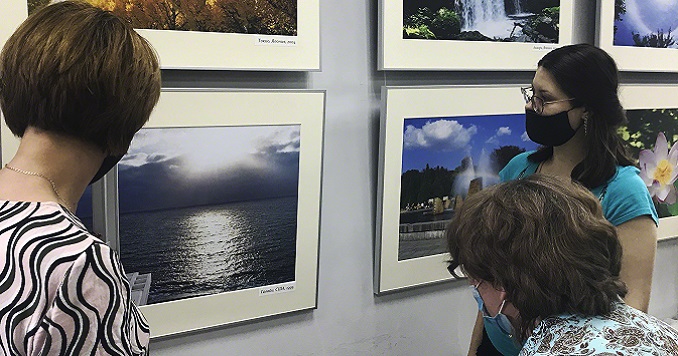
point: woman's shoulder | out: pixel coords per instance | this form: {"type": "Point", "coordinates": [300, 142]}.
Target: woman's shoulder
{"type": "Point", "coordinates": [602, 333]}
{"type": "Point", "coordinates": [625, 196]}
{"type": "Point", "coordinates": [515, 166]}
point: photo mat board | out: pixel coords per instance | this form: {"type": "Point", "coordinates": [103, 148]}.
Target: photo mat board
{"type": "Point", "coordinates": [193, 49]}
{"type": "Point", "coordinates": [397, 52]}
{"type": "Point", "coordinates": [293, 115]}
{"type": "Point", "coordinates": [651, 20]}
{"type": "Point", "coordinates": [651, 109]}
{"type": "Point", "coordinates": [299, 110]}
{"type": "Point", "coordinates": [429, 129]}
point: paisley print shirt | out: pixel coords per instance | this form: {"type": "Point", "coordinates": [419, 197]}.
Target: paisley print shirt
{"type": "Point", "coordinates": [625, 331]}
{"type": "Point", "coordinates": [62, 290]}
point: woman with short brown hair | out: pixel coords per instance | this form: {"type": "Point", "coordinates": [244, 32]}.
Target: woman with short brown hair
{"type": "Point", "coordinates": [76, 84]}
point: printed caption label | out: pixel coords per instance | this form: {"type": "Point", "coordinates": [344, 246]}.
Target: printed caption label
{"type": "Point", "coordinates": [277, 288]}
{"type": "Point", "coordinates": [544, 47]}
{"type": "Point", "coordinates": [284, 41]}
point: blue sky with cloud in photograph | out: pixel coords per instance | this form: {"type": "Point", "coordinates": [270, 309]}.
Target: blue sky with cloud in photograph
{"type": "Point", "coordinates": [645, 17]}
{"type": "Point", "coordinates": [446, 141]}
{"type": "Point", "coordinates": [181, 167]}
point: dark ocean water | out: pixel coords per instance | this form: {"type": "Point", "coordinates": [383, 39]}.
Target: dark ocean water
{"type": "Point", "coordinates": [211, 249]}
{"type": "Point", "coordinates": [408, 249]}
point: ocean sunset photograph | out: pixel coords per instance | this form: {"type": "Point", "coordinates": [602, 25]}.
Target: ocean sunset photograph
{"type": "Point", "coordinates": [207, 210]}
{"type": "Point", "coordinates": [443, 161]}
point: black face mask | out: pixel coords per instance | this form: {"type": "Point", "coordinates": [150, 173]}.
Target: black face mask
{"type": "Point", "coordinates": [108, 164]}
{"type": "Point", "coordinates": [550, 131]}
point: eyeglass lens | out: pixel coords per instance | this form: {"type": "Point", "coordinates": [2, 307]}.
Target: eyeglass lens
{"type": "Point", "coordinates": [537, 102]}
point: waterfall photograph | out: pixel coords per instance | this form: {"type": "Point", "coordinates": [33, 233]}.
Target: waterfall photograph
{"type": "Point", "coordinates": [444, 160]}
{"type": "Point", "coordinates": [535, 21]}
{"type": "Point", "coordinates": [646, 23]}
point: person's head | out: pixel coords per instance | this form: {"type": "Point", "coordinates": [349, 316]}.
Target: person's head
{"type": "Point", "coordinates": [584, 79]}
{"type": "Point", "coordinates": [76, 70]}
{"type": "Point", "coordinates": [544, 242]}
{"type": "Point", "coordinates": [589, 76]}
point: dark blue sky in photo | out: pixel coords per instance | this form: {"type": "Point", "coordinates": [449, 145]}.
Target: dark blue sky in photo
{"type": "Point", "coordinates": [184, 167]}
{"type": "Point", "coordinates": [644, 17]}
{"type": "Point", "coordinates": [446, 141]}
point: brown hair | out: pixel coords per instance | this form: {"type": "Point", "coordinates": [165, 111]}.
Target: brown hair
{"type": "Point", "coordinates": [77, 70]}
{"type": "Point", "coordinates": [545, 241]}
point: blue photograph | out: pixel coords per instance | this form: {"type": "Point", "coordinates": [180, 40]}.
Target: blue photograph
{"type": "Point", "coordinates": [443, 161]}
{"type": "Point", "coordinates": [207, 210]}
{"type": "Point", "coordinates": [646, 23]}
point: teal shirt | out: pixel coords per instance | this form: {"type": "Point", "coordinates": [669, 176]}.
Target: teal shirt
{"type": "Point", "coordinates": [623, 197]}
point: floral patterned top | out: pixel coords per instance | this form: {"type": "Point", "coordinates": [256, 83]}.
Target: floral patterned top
{"type": "Point", "coordinates": [625, 331]}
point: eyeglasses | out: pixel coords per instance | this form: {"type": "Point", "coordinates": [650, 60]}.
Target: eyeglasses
{"type": "Point", "coordinates": [537, 102]}
{"type": "Point", "coordinates": [452, 268]}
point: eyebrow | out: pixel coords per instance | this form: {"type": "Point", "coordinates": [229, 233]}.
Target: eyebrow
{"type": "Point", "coordinates": [542, 91]}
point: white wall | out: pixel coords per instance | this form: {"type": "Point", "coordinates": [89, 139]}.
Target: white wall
{"type": "Point", "coordinates": [350, 320]}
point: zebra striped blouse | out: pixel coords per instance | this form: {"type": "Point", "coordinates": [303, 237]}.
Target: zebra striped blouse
{"type": "Point", "coordinates": [62, 290]}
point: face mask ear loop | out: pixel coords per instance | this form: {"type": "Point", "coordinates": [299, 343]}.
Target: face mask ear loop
{"type": "Point", "coordinates": [501, 307]}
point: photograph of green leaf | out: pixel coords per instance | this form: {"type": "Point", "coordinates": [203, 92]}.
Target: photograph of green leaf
{"type": "Point", "coordinates": [262, 17]}
{"type": "Point", "coordinates": [641, 133]}
{"type": "Point", "coordinates": [535, 21]}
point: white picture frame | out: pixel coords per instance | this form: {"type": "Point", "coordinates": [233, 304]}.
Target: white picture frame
{"type": "Point", "coordinates": [396, 53]}
{"type": "Point", "coordinates": [636, 59]}
{"type": "Point", "coordinates": [208, 108]}
{"type": "Point", "coordinates": [398, 105]}
{"type": "Point", "coordinates": [218, 51]}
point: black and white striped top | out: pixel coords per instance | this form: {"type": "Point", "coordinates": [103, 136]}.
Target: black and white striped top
{"type": "Point", "coordinates": [62, 290]}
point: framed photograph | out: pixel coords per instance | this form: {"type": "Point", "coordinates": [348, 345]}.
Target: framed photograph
{"type": "Point", "coordinates": [438, 145]}
{"type": "Point", "coordinates": [219, 34]}
{"type": "Point", "coordinates": [471, 35]}
{"type": "Point", "coordinates": [639, 35]}
{"type": "Point", "coordinates": [217, 207]}
{"type": "Point", "coordinates": [652, 109]}
{"type": "Point", "coordinates": [219, 200]}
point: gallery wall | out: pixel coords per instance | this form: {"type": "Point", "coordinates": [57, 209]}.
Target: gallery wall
{"type": "Point", "coordinates": [350, 319]}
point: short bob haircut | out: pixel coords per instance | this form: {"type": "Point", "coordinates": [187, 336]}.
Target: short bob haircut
{"type": "Point", "coordinates": [590, 76]}
{"type": "Point", "coordinates": [80, 71]}
{"type": "Point", "coordinates": [543, 240]}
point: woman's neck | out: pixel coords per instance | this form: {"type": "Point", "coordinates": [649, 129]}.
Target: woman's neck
{"type": "Point", "coordinates": [50, 167]}
{"type": "Point", "coordinates": [565, 157]}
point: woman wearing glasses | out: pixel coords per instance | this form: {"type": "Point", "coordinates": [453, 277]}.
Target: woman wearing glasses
{"type": "Point", "coordinates": [573, 111]}
{"type": "Point", "coordinates": [553, 286]}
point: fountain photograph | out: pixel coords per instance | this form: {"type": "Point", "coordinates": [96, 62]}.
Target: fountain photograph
{"type": "Point", "coordinates": [535, 21]}
{"type": "Point", "coordinates": [444, 160]}
{"type": "Point", "coordinates": [646, 23]}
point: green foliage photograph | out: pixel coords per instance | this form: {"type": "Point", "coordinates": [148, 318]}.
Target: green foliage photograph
{"type": "Point", "coordinates": [536, 21]}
